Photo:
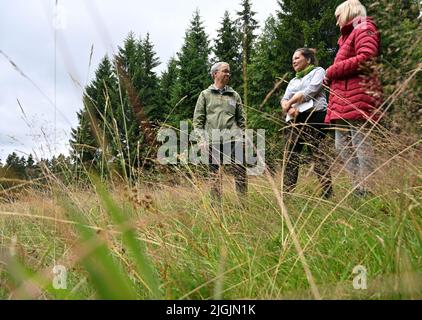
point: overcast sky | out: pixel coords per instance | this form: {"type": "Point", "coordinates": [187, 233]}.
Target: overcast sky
{"type": "Point", "coordinates": [29, 121]}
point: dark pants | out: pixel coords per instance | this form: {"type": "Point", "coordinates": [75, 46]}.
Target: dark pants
{"type": "Point", "coordinates": [308, 130]}
{"type": "Point", "coordinates": [232, 154]}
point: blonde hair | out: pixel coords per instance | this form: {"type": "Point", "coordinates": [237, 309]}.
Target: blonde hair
{"type": "Point", "coordinates": [349, 10]}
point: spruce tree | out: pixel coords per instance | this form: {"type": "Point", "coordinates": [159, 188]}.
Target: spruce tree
{"type": "Point", "coordinates": [15, 166]}
{"type": "Point", "coordinates": [128, 56]}
{"type": "Point", "coordinates": [247, 26]}
{"type": "Point", "coordinates": [129, 67]}
{"type": "Point", "coordinates": [264, 69]}
{"type": "Point", "coordinates": [95, 139]}
{"type": "Point", "coordinates": [130, 74]}
{"type": "Point", "coordinates": [30, 167]}
{"type": "Point", "coordinates": [168, 81]}
{"type": "Point", "coordinates": [193, 67]}
{"type": "Point", "coordinates": [30, 162]}
{"type": "Point", "coordinates": [227, 47]}
{"type": "Point", "coordinates": [149, 83]}
{"type": "Point", "coordinates": [83, 143]}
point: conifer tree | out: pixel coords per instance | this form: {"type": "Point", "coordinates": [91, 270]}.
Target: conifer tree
{"type": "Point", "coordinates": [129, 58]}
{"type": "Point", "coordinates": [193, 67]}
{"type": "Point", "coordinates": [247, 26]}
{"type": "Point", "coordinates": [129, 67]}
{"type": "Point", "coordinates": [30, 162]}
{"type": "Point", "coordinates": [30, 167]}
{"type": "Point", "coordinates": [168, 81]}
{"type": "Point", "coordinates": [227, 47]}
{"type": "Point", "coordinates": [149, 82]}
{"type": "Point", "coordinates": [95, 136]}
{"type": "Point", "coordinates": [264, 69]}
{"type": "Point", "coordinates": [15, 166]}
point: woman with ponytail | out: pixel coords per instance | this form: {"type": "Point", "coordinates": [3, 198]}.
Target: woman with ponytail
{"type": "Point", "coordinates": [305, 104]}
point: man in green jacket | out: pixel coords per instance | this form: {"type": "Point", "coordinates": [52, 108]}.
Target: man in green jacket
{"type": "Point", "coordinates": [219, 114]}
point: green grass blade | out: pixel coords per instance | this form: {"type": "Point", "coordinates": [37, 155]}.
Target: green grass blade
{"type": "Point", "coordinates": [107, 277]}
{"type": "Point", "coordinates": [136, 248]}
{"type": "Point", "coordinates": [30, 284]}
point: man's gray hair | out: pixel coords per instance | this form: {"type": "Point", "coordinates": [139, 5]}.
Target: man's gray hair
{"type": "Point", "coordinates": [215, 67]}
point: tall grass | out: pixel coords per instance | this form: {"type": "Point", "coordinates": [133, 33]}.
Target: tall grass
{"type": "Point", "coordinates": [166, 241]}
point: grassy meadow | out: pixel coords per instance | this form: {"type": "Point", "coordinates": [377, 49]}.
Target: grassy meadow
{"type": "Point", "coordinates": [163, 239]}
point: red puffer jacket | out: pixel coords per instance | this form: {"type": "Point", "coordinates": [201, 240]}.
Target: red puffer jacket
{"type": "Point", "coordinates": [355, 87]}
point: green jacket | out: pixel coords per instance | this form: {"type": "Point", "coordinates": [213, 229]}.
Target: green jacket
{"type": "Point", "coordinates": [215, 110]}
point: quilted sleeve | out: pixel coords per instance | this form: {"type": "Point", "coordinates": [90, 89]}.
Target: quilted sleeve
{"type": "Point", "coordinates": [366, 47]}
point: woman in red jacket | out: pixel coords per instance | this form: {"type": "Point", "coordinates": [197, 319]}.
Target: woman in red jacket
{"type": "Point", "coordinates": [355, 91]}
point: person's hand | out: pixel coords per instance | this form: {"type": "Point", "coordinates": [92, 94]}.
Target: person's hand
{"type": "Point", "coordinates": [298, 97]}
{"type": "Point", "coordinates": [285, 105]}
{"type": "Point", "coordinates": [293, 112]}
{"type": "Point", "coordinates": [326, 81]}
